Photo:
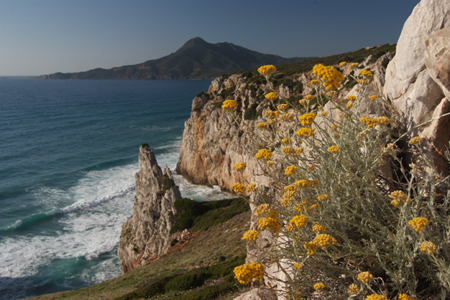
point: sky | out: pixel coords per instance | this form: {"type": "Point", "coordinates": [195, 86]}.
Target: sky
{"type": "Point", "coordinates": [47, 36]}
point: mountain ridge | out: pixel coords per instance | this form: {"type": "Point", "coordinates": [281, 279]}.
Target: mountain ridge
{"type": "Point", "coordinates": [196, 59]}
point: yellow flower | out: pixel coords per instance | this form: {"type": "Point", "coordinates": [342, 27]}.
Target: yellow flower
{"type": "Point", "coordinates": [287, 150]}
{"type": "Point", "coordinates": [288, 197]}
{"type": "Point", "coordinates": [309, 97]}
{"type": "Point", "coordinates": [351, 98]}
{"type": "Point", "coordinates": [376, 297]}
{"type": "Point", "coordinates": [298, 221]}
{"type": "Point", "coordinates": [334, 149]}
{"type": "Point", "coordinates": [229, 106]}
{"type": "Point", "coordinates": [262, 126]}
{"type": "Point", "coordinates": [264, 210]}
{"type": "Point", "coordinates": [322, 197]}
{"type": "Point", "coordinates": [290, 170]}
{"type": "Point", "coordinates": [354, 66]}
{"type": "Point", "coordinates": [296, 266]}
{"type": "Point", "coordinates": [311, 247]}
{"type": "Point", "coordinates": [366, 73]}
{"type": "Point", "coordinates": [319, 286]}
{"type": "Point", "coordinates": [312, 168]}
{"type": "Point", "coordinates": [246, 273]}
{"type": "Point", "coordinates": [238, 188]}
{"type": "Point", "coordinates": [315, 82]}
{"type": "Point", "coordinates": [331, 94]}
{"type": "Point", "coordinates": [428, 247]}
{"type": "Point", "coordinates": [405, 297]}
{"type": "Point", "coordinates": [383, 120]}
{"type": "Point", "coordinates": [370, 122]}
{"type": "Point", "coordinates": [264, 153]}
{"type": "Point", "coordinates": [315, 182]}
{"type": "Point", "coordinates": [251, 188]}
{"type": "Point", "coordinates": [283, 107]}
{"type": "Point", "coordinates": [331, 77]}
{"type": "Point", "coordinates": [342, 63]}
{"type": "Point", "coordinates": [319, 228]}
{"type": "Point", "coordinates": [325, 113]}
{"type": "Point", "coordinates": [271, 114]}
{"type": "Point", "coordinates": [302, 101]}
{"type": "Point", "coordinates": [365, 277]}
{"type": "Point", "coordinates": [353, 289]}
{"type": "Point", "coordinates": [269, 163]}
{"type": "Point", "coordinates": [271, 121]}
{"type": "Point", "coordinates": [415, 140]}
{"type": "Point", "coordinates": [272, 223]}
{"type": "Point", "coordinates": [302, 183]}
{"type": "Point", "coordinates": [267, 70]}
{"type": "Point", "coordinates": [285, 141]}
{"type": "Point", "coordinates": [240, 166]}
{"type": "Point", "coordinates": [287, 117]}
{"type": "Point", "coordinates": [298, 151]}
{"type": "Point", "coordinates": [373, 97]}
{"type": "Point", "coordinates": [304, 132]}
{"type": "Point", "coordinates": [271, 96]}
{"type": "Point", "coordinates": [251, 235]}
{"type": "Point", "coordinates": [398, 197]}
{"type": "Point", "coordinates": [418, 223]}
{"type": "Point", "coordinates": [307, 119]}
{"type": "Point", "coordinates": [324, 240]}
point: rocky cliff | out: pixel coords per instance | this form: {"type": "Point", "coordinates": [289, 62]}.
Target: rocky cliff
{"type": "Point", "coordinates": [146, 234]}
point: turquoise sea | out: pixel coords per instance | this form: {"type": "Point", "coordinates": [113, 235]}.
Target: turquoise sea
{"type": "Point", "coordinates": [68, 155]}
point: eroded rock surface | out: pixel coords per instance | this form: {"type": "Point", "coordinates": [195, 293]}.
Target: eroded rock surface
{"type": "Point", "coordinates": [146, 234]}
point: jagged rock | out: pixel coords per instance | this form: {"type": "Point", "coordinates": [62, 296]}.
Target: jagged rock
{"type": "Point", "coordinates": [437, 59]}
{"type": "Point", "coordinates": [258, 294]}
{"type": "Point", "coordinates": [146, 234]}
{"type": "Point", "coordinates": [415, 88]}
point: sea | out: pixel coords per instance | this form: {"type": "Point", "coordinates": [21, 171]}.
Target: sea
{"type": "Point", "coordinates": [68, 154]}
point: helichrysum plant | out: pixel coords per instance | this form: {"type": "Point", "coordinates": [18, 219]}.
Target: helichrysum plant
{"type": "Point", "coordinates": [348, 219]}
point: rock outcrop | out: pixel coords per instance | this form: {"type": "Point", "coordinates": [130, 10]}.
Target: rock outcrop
{"type": "Point", "coordinates": [146, 234]}
{"type": "Point", "coordinates": [417, 78]}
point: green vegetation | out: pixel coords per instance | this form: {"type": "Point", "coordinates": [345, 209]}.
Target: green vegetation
{"type": "Point", "coordinates": [201, 216]}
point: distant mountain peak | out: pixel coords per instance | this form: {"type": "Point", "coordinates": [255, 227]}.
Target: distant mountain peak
{"type": "Point", "coordinates": [196, 59]}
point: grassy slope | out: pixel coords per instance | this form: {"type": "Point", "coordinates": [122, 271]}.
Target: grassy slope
{"type": "Point", "coordinates": [207, 247]}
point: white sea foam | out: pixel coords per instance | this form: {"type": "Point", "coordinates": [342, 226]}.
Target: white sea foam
{"type": "Point", "coordinates": [199, 192]}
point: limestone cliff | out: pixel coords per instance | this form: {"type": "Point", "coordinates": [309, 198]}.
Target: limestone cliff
{"type": "Point", "coordinates": [146, 234]}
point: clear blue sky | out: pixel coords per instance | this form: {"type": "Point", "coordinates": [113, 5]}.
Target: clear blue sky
{"type": "Point", "coordinates": [47, 36]}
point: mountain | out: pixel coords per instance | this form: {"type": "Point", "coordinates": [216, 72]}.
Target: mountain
{"type": "Point", "coordinates": [197, 59]}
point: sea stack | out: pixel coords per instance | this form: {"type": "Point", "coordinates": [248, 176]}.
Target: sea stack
{"type": "Point", "coordinates": [146, 234]}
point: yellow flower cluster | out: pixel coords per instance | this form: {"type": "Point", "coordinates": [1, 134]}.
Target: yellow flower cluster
{"type": "Point", "coordinates": [307, 119]}
{"type": "Point", "coordinates": [264, 153]}
{"type": "Point", "coordinates": [376, 297]}
{"type": "Point", "coordinates": [302, 101]}
{"type": "Point", "coordinates": [334, 149]}
{"type": "Point", "coordinates": [351, 98]}
{"type": "Point", "coordinates": [310, 247]}
{"type": "Point", "coordinates": [405, 297]}
{"type": "Point", "coordinates": [325, 113]}
{"type": "Point", "coordinates": [287, 150]}
{"type": "Point", "coordinates": [298, 221]}
{"type": "Point", "coordinates": [302, 183]}
{"type": "Point", "coordinates": [315, 82]}
{"type": "Point", "coordinates": [271, 114]}
{"type": "Point", "coordinates": [283, 107]}
{"type": "Point", "coordinates": [319, 286]}
{"type": "Point", "coordinates": [251, 188]}
{"type": "Point", "coordinates": [312, 168]}
{"type": "Point", "coordinates": [238, 188]}
{"type": "Point", "coordinates": [240, 166]}
{"type": "Point", "coordinates": [331, 77]}
{"type": "Point", "coordinates": [342, 63]}
{"type": "Point", "coordinates": [322, 197]}
{"type": "Point", "coordinates": [349, 105]}
{"type": "Point", "coordinates": [285, 140]}
{"type": "Point", "coordinates": [272, 223]}
{"type": "Point", "coordinates": [271, 96]}
{"type": "Point", "coordinates": [270, 163]}
{"type": "Point", "coordinates": [267, 70]}
{"type": "Point", "coordinates": [251, 235]}
{"type": "Point", "coordinates": [373, 97]}
{"type": "Point", "coordinates": [415, 140]}
{"type": "Point", "coordinates": [398, 198]}
{"type": "Point", "coordinates": [354, 65]}
{"type": "Point", "coordinates": [324, 240]}
{"type": "Point", "coordinates": [365, 277]}
{"type": "Point", "coordinates": [262, 126]}
{"type": "Point", "coordinates": [366, 73]}
{"type": "Point", "coordinates": [418, 223]}
{"type": "Point", "coordinates": [271, 121]}
{"type": "Point", "coordinates": [309, 97]}
{"type": "Point", "coordinates": [383, 120]}
{"type": "Point", "coordinates": [315, 182]}
{"type": "Point", "coordinates": [428, 247]}
{"type": "Point", "coordinates": [302, 206]}
{"type": "Point", "coordinates": [229, 106]}
{"type": "Point", "coordinates": [287, 117]}
{"type": "Point", "coordinates": [288, 197]}
{"type": "Point", "coordinates": [246, 273]}
{"type": "Point", "coordinates": [264, 210]}
{"type": "Point", "coordinates": [296, 266]}
{"type": "Point", "coordinates": [290, 170]}
{"type": "Point", "coordinates": [370, 122]}
{"type": "Point", "coordinates": [319, 228]}
{"type": "Point", "coordinates": [304, 132]}
{"type": "Point", "coordinates": [353, 289]}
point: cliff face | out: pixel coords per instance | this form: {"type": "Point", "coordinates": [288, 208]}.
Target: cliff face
{"type": "Point", "coordinates": [146, 234]}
